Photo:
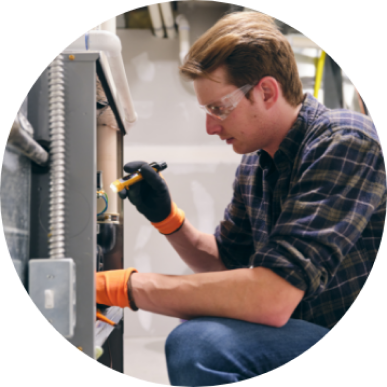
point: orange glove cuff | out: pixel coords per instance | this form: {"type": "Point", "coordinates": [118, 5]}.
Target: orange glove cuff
{"type": "Point", "coordinates": [111, 287]}
{"type": "Point", "coordinates": [173, 222]}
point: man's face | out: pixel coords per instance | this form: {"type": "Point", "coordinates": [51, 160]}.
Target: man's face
{"type": "Point", "coordinates": [248, 127]}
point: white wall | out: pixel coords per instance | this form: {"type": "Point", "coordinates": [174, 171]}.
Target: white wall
{"type": "Point", "coordinates": [170, 127]}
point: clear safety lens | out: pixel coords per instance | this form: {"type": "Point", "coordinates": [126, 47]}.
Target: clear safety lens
{"type": "Point", "coordinates": [222, 108]}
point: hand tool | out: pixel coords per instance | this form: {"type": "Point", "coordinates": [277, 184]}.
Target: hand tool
{"type": "Point", "coordinates": [126, 181]}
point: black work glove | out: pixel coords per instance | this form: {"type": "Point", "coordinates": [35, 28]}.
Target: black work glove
{"type": "Point", "coordinates": [150, 195]}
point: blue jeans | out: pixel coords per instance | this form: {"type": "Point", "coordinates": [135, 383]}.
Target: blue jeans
{"type": "Point", "coordinates": [210, 351]}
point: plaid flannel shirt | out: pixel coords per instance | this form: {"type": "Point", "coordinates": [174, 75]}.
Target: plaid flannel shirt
{"type": "Point", "coordinates": [315, 213]}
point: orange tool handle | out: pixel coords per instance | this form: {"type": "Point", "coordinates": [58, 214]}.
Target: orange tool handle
{"type": "Point", "coordinates": [101, 317]}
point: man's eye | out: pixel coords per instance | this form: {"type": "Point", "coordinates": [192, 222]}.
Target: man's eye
{"type": "Point", "coordinates": [217, 109]}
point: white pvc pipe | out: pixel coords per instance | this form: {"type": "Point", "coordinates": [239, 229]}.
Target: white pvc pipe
{"type": "Point", "coordinates": [169, 21]}
{"type": "Point", "coordinates": [183, 27]}
{"type": "Point", "coordinates": [110, 44]}
{"type": "Point", "coordinates": [107, 144]}
{"type": "Point", "coordinates": [157, 23]}
{"type": "Point", "coordinates": [109, 25]}
{"type": "Point", "coordinates": [107, 163]}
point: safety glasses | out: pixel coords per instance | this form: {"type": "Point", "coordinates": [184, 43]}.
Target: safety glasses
{"type": "Point", "coordinates": [225, 105]}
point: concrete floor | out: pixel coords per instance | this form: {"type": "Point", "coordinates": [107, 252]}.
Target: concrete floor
{"type": "Point", "coordinates": [144, 359]}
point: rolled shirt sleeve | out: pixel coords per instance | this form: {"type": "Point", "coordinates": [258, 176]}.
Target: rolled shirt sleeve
{"type": "Point", "coordinates": [340, 185]}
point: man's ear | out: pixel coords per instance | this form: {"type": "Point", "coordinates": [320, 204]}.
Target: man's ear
{"type": "Point", "coordinates": [269, 90]}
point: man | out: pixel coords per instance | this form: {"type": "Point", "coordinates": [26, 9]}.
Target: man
{"type": "Point", "coordinates": [300, 235]}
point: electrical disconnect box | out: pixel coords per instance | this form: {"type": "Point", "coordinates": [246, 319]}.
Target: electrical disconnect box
{"type": "Point", "coordinates": [52, 288]}
{"type": "Point", "coordinates": [72, 215]}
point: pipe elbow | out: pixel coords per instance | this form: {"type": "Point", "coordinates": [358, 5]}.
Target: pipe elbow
{"type": "Point", "coordinates": [98, 40]}
{"type": "Point", "coordinates": [182, 22]}
{"type": "Point", "coordinates": [105, 41]}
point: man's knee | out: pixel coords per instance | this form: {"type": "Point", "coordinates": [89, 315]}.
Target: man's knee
{"type": "Point", "coordinates": [177, 355]}
{"type": "Point", "coordinates": [206, 352]}
{"type": "Point", "coordinates": [214, 351]}
{"type": "Point", "coordinates": [194, 339]}
{"type": "Point", "coordinates": [181, 349]}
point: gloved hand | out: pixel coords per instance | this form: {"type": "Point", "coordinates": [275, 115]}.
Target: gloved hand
{"type": "Point", "coordinates": [150, 196]}
{"type": "Point", "coordinates": [112, 287]}
{"type": "Point", "coordinates": [152, 199]}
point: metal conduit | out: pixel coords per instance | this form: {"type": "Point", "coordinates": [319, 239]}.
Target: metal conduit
{"type": "Point", "coordinates": [57, 157]}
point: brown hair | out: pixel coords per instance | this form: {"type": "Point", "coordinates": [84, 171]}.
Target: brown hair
{"type": "Point", "coordinates": [250, 46]}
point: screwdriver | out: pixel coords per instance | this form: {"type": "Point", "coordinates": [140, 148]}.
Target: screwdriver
{"type": "Point", "coordinates": [103, 318]}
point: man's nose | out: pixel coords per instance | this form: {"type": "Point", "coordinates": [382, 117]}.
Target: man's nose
{"type": "Point", "coordinates": [213, 125]}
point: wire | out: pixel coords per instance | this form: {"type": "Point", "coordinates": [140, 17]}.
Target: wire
{"type": "Point", "coordinates": [103, 195]}
{"type": "Point", "coordinates": [106, 206]}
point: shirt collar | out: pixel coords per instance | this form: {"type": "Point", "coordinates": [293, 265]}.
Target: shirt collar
{"type": "Point", "coordinates": [292, 141]}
